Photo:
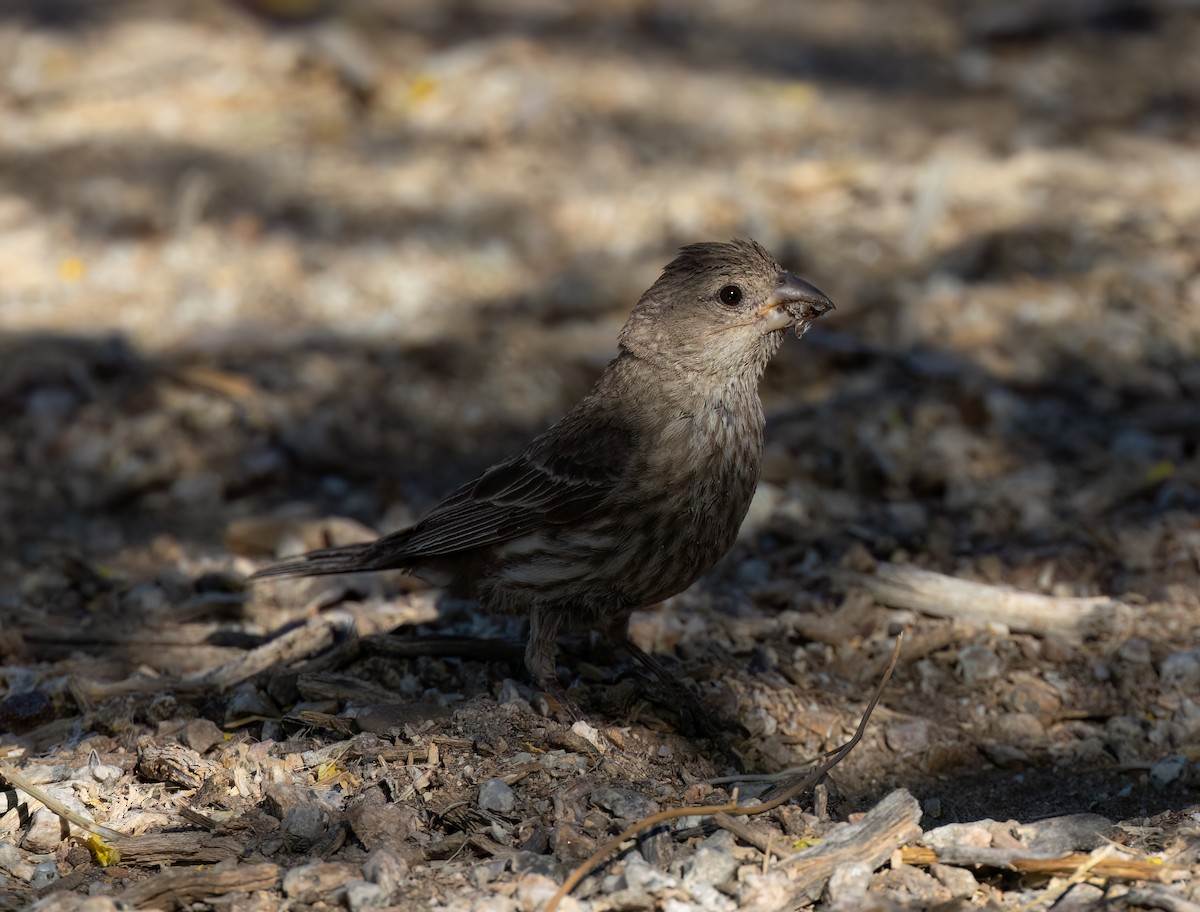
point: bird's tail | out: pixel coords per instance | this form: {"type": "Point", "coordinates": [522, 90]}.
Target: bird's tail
{"type": "Point", "coordinates": [346, 559]}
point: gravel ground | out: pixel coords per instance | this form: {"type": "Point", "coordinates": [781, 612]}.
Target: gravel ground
{"type": "Point", "coordinates": [274, 279]}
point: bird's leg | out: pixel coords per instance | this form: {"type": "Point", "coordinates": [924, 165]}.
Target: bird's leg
{"type": "Point", "coordinates": [540, 657]}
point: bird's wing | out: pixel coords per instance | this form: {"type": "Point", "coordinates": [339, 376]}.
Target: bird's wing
{"type": "Point", "coordinates": [562, 477]}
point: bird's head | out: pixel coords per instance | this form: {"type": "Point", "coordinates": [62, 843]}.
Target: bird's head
{"type": "Point", "coordinates": [720, 307]}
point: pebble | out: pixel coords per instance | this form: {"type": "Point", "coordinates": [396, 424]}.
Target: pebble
{"type": "Point", "coordinates": [624, 803]}
{"type": "Point", "coordinates": [912, 886]}
{"type": "Point", "coordinates": [363, 895]}
{"type": "Point", "coordinates": [1167, 770]}
{"type": "Point", "coordinates": [709, 898]}
{"type": "Point", "coordinates": [23, 711]}
{"type": "Point", "coordinates": [497, 796]}
{"type": "Point", "coordinates": [307, 824]}
{"type": "Point", "coordinates": [1035, 697]}
{"type": "Point", "coordinates": [571, 844]}
{"type": "Point", "coordinates": [641, 877]}
{"type": "Point", "coordinates": [846, 889]}
{"type": "Point", "coordinates": [45, 832]}
{"type": "Point", "coordinates": [767, 892]}
{"type": "Point", "coordinates": [527, 862]}
{"type": "Point", "coordinates": [103, 772]}
{"type": "Point", "coordinates": [1182, 670]}
{"type": "Point", "coordinates": [14, 863]}
{"type": "Point", "coordinates": [386, 869]}
{"type": "Point", "coordinates": [959, 881]}
{"type": "Point", "coordinates": [1020, 728]}
{"type": "Point", "coordinates": [589, 734]}
{"type": "Point", "coordinates": [909, 737]}
{"type": "Point", "coordinates": [977, 664]}
{"type": "Point", "coordinates": [45, 874]}
{"type": "Point", "coordinates": [709, 865]}
{"type": "Point", "coordinates": [1135, 651]}
{"type": "Point", "coordinates": [534, 892]}
{"type": "Point", "coordinates": [1066, 834]}
{"type": "Point", "coordinates": [201, 735]}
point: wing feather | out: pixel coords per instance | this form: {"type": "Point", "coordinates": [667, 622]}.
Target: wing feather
{"type": "Point", "coordinates": [561, 478]}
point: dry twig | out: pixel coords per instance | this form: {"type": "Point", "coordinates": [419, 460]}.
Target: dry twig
{"type": "Point", "coordinates": [980, 603]}
{"type": "Point", "coordinates": [732, 807]}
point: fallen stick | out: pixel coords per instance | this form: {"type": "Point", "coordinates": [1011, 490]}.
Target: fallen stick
{"type": "Point", "coordinates": [176, 888]}
{"type": "Point", "coordinates": [732, 808]}
{"type": "Point", "coordinates": [980, 603]}
{"type": "Point", "coordinates": [873, 839]}
{"type": "Point", "coordinates": [1062, 866]}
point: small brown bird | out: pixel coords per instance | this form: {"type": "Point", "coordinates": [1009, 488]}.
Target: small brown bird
{"type": "Point", "coordinates": [640, 489]}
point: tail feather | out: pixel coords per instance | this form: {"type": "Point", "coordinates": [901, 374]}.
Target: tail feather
{"type": "Point", "coordinates": [347, 559]}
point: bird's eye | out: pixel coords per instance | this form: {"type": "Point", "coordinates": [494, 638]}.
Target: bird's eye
{"type": "Point", "coordinates": [730, 295]}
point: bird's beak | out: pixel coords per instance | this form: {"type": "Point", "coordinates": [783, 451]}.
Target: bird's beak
{"type": "Point", "coordinates": [793, 303]}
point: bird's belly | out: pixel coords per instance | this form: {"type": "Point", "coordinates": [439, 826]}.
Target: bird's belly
{"type": "Point", "coordinates": [652, 540]}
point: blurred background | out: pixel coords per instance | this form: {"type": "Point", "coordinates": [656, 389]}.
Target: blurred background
{"type": "Point", "coordinates": [347, 251]}
{"type": "Point", "coordinates": [288, 260]}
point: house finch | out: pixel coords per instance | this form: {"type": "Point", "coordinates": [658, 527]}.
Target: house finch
{"type": "Point", "coordinates": [640, 489]}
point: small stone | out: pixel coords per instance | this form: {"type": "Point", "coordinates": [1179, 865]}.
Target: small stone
{"type": "Point", "coordinates": [1006, 756]}
{"type": "Point", "coordinates": [46, 830]}
{"type": "Point", "coordinates": [497, 796]}
{"type": "Point", "coordinates": [1035, 697]}
{"type": "Point", "coordinates": [527, 862]}
{"type": "Point", "coordinates": [911, 886]}
{"type": "Point", "coordinates": [1182, 670]}
{"type": "Point", "coordinates": [977, 664]}
{"type": "Point", "coordinates": [363, 895]}
{"type": "Point", "coordinates": [316, 880]}
{"type": "Point", "coordinates": [1169, 769]}
{"type": "Point", "coordinates": [249, 701]}
{"type": "Point", "coordinates": [23, 711]}
{"type": "Point", "coordinates": [625, 804]}
{"type": "Point", "coordinates": [1135, 651]}
{"type": "Point", "coordinates": [387, 869]}
{"type": "Point", "coordinates": [306, 824]}
{"type": "Point", "coordinates": [202, 734]}
{"type": "Point", "coordinates": [846, 889]}
{"type": "Point", "coordinates": [45, 874]}
{"type": "Point", "coordinates": [1020, 728]}
{"type": "Point", "coordinates": [909, 737]}
{"type": "Point", "coordinates": [571, 844]}
{"type": "Point", "coordinates": [709, 865]}
{"type": "Point", "coordinates": [102, 772]}
{"type": "Point", "coordinates": [144, 599]}
{"type": "Point", "coordinates": [12, 861]}
{"type": "Point", "coordinates": [708, 899]}
{"type": "Point", "coordinates": [281, 797]}
{"type": "Point", "coordinates": [959, 881]}
{"type": "Point", "coordinates": [535, 890]}
{"type": "Point", "coordinates": [1066, 834]}
{"type": "Point", "coordinates": [1125, 737]}
{"type": "Point", "coordinates": [512, 692]}
{"type": "Point", "coordinates": [378, 825]}
{"type": "Point", "coordinates": [767, 892]}
{"type": "Point", "coordinates": [589, 734]}
{"type": "Point", "coordinates": [643, 878]}
{"type": "Point", "coordinates": [943, 839]}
